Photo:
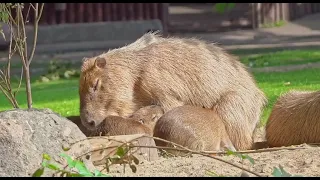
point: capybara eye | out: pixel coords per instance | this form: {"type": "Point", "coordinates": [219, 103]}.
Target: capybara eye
{"type": "Point", "coordinates": [141, 121]}
{"type": "Point", "coordinates": [96, 85]}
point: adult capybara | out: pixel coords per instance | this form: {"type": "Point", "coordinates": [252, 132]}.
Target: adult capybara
{"type": "Point", "coordinates": [294, 119]}
{"type": "Point", "coordinates": [76, 120]}
{"type": "Point", "coordinates": [193, 127]}
{"type": "Point", "coordinates": [172, 72]}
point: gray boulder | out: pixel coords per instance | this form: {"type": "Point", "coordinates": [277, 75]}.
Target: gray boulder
{"type": "Point", "coordinates": [26, 134]}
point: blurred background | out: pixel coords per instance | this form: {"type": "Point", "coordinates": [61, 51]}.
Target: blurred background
{"type": "Point", "coordinates": [278, 42]}
{"type": "Point", "coordinates": [66, 27]}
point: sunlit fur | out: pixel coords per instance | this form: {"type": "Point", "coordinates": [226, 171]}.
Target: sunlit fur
{"type": "Point", "coordinates": [116, 125]}
{"type": "Point", "coordinates": [172, 72]}
{"type": "Point", "coordinates": [193, 127]}
{"type": "Point", "coordinates": [295, 119]}
{"type": "Point", "coordinates": [148, 115]}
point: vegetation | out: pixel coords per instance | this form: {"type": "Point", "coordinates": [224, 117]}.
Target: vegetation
{"type": "Point", "coordinates": [125, 156]}
{"type": "Point", "coordinates": [62, 95]}
{"type": "Point", "coordinates": [60, 90]}
{"type": "Point", "coordinates": [18, 43]}
{"type": "Point", "coordinates": [223, 7]}
{"type": "Point", "coordinates": [281, 58]}
{"type": "Point", "coordinates": [80, 169]}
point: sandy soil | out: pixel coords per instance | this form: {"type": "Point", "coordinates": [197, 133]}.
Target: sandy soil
{"type": "Point", "coordinates": [305, 162]}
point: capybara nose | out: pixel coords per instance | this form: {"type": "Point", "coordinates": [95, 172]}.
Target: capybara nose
{"type": "Point", "coordinates": [92, 123]}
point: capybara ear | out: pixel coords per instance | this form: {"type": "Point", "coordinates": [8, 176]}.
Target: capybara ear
{"type": "Point", "coordinates": [155, 118]}
{"type": "Point", "coordinates": [84, 59]}
{"type": "Point", "coordinates": [100, 62]}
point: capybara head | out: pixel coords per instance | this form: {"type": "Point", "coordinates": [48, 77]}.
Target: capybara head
{"type": "Point", "coordinates": [93, 101]}
{"type": "Point", "coordinates": [148, 115]}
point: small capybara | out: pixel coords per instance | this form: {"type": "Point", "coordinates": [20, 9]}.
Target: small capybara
{"type": "Point", "coordinates": [148, 115]}
{"type": "Point", "coordinates": [116, 125]}
{"type": "Point", "coordinates": [294, 119]}
{"type": "Point", "coordinates": [112, 126]}
{"type": "Point", "coordinates": [193, 127]}
{"type": "Point", "coordinates": [172, 72]}
{"type": "Point", "coordinates": [144, 122]}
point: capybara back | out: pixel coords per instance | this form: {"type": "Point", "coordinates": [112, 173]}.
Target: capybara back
{"type": "Point", "coordinates": [193, 127]}
{"type": "Point", "coordinates": [294, 119]}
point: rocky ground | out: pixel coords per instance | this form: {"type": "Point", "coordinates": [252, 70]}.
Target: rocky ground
{"type": "Point", "coordinates": [304, 162]}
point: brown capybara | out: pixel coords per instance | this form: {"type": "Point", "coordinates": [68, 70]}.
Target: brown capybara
{"type": "Point", "coordinates": [112, 126]}
{"type": "Point", "coordinates": [148, 115]}
{"type": "Point", "coordinates": [76, 120]}
{"type": "Point", "coordinates": [294, 119]}
{"type": "Point", "coordinates": [115, 125]}
{"type": "Point", "coordinates": [172, 72]}
{"type": "Point", "coordinates": [193, 127]}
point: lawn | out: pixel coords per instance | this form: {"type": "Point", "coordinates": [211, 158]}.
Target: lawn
{"type": "Point", "coordinates": [253, 58]}
{"type": "Point", "coordinates": [62, 96]}
{"type": "Point", "coordinates": [284, 57]}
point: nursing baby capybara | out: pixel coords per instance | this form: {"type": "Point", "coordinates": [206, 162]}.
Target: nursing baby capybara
{"type": "Point", "coordinates": [112, 126]}
{"type": "Point", "coordinates": [140, 122]}
{"type": "Point", "coordinates": [148, 115]}
{"type": "Point", "coordinates": [193, 127]}
{"type": "Point", "coordinates": [294, 119]}
{"type": "Point", "coordinates": [172, 72]}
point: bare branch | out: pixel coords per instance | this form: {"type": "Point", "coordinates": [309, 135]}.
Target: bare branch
{"type": "Point", "coordinates": [26, 18]}
{"type": "Point", "coordinates": [31, 5]}
{"type": "Point", "coordinates": [7, 96]}
{"type": "Point", "coordinates": [20, 81]}
{"type": "Point", "coordinates": [36, 21]}
{"type": "Point", "coordinates": [40, 13]}
{"type": "Point", "coordinates": [24, 41]}
{"type": "Point", "coordinates": [181, 148]}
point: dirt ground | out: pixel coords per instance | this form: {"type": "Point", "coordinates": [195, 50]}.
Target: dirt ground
{"type": "Point", "coordinates": [304, 162]}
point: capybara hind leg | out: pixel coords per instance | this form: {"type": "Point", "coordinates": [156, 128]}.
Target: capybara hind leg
{"type": "Point", "coordinates": [226, 144]}
{"type": "Point", "coordinates": [214, 146]}
{"type": "Point", "coordinates": [235, 118]}
{"type": "Point", "coordinates": [169, 102]}
{"type": "Point", "coordinates": [197, 145]}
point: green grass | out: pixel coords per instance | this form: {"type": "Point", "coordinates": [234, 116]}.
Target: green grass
{"type": "Point", "coordinates": [255, 58]}
{"type": "Point", "coordinates": [62, 96]}
{"type": "Point", "coordinates": [275, 84]}
{"type": "Point", "coordinates": [279, 58]}
{"type": "Point", "coordinates": [275, 24]}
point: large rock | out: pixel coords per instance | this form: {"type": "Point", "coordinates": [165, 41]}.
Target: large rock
{"type": "Point", "coordinates": [26, 134]}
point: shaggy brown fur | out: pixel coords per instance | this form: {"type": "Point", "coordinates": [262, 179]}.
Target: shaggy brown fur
{"type": "Point", "coordinates": [116, 125]}
{"type": "Point", "coordinates": [295, 119]}
{"type": "Point", "coordinates": [172, 72]}
{"type": "Point", "coordinates": [112, 126]}
{"type": "Point", "coordinates": [148, 115]}
{"type": "Point", "coordinates": [193, 127]}
{"type": "Point", "coordinates": [76, 120]}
